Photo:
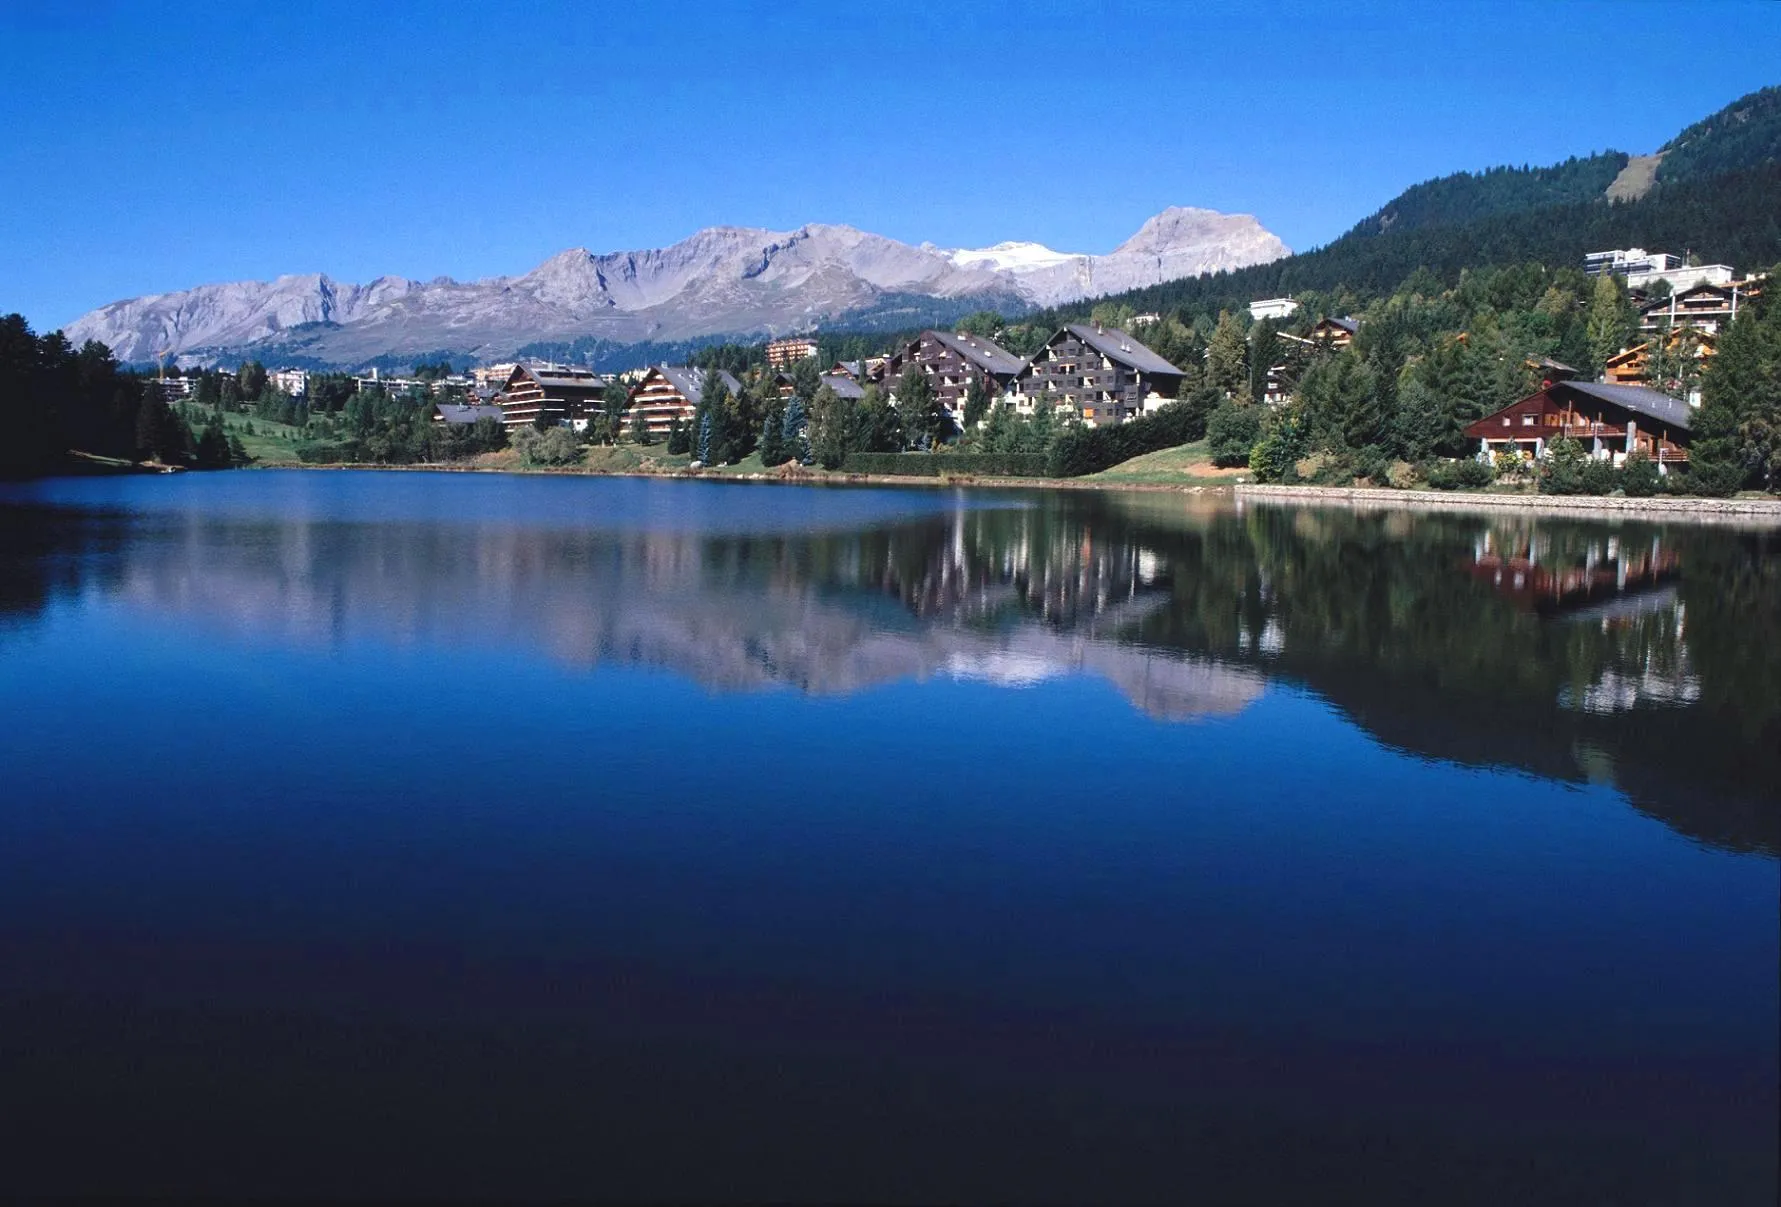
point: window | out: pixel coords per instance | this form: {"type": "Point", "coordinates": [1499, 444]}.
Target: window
{"type": "Point", "coordinates": [1527, 421]}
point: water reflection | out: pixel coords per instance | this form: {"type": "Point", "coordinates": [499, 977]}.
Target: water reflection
{"type": "Point", "coordinates": [1645, 655]}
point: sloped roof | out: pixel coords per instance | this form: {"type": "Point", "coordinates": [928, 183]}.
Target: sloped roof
{"type": "Point", "coordinates": [1119, 346]}
{"type": "Point", "coordinates": [985, 354]}
{"type": "Point", "coordinates": [844, 386]}
{"type": "Point", "coordinates": [1640, 400]}
{"type": "Point", "coordinates": [554, 377]}
{"type": "Point", "coordinates": [456, 413]}
{"type": "Point", "coordinates": [691, 382]}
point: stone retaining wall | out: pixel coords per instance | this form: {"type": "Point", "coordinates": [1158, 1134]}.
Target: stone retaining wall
{"type": "Point", "coordinates": [1746, 511]}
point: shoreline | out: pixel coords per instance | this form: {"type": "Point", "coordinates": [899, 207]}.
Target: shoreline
{"type": "Point", "coordinates": [1703, 510]}
{"type": "Point", "coordinates": [814, 478]}
{"type": "Point", "coordinates": [1745, 511]}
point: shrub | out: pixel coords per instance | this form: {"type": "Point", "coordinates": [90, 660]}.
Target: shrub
{"type": "Point", "coordinates": [556, 446]}
{"type": "Point", "coordinates": [1719, 481]}
{"type": "Point", "coordinates": [1460, 475]}
{"type": "Point", "coordinates": [1599, 477]}
{"type": "Point", "coordinates": [1639, 476]}
{"type": "Point", "coordinates": [1562, 471]}
{"type": "Point", "coordinates": [1401, 475]}
{"type": "Point", "coordinates": [1231, 432]}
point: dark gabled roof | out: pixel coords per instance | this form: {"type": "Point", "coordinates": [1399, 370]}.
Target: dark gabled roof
{"type": "Point", "coordinates": [985, 354]}
{"type": "Point", "coordinates": [456, 413]}
{"type": "Point", "coordinates": [1640, 400]}
{"type": "Point", "coordinates": [854, 367]}
{"type": "Point", "coordinates": [1350, 325]}
{"type": "Point", "coordinates": [691, 382]}
{"type": "Point", "coordinates": [1119, 346]}
{"type": "Point", "coordinates": [844, 386]}
{"type": "Point", "coordinates": [551, 377]}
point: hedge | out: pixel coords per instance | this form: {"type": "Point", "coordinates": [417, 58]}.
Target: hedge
{"type": "Point", "coordinates": [933, 465]}
{"type": "Point", "coordinates": [1089, 450]}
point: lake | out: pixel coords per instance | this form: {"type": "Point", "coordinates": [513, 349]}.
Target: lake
{"type": "Point", "coordinates": [440, 836]}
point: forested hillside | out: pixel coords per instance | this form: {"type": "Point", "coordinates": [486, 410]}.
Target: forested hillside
{"type": "Point", "coordinates": [1472, 196]}
{"type": "Point", "coordinates": [1744, 133]}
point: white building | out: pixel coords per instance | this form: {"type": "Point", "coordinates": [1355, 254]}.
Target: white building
{"type": "Point", "coordinates": [1272, 308]}
{"type": "Point", "coordinates": [1683, 278]}
{"type": "Point", "coordinates": [1629, 262]}
{"type": "Point", "coordinates": [294, 382]}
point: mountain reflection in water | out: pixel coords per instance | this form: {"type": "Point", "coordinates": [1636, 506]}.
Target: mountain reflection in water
{"type": "Point", "coordinates": [538, 839]}
{"type": "Point", "coordinates": [1559, 647]}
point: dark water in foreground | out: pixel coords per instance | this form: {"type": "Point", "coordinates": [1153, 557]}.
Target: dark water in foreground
{"type": "Point", "coordinates": [532, 838]}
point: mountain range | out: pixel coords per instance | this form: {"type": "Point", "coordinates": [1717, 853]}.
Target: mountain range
{"type": "Point", "coordinates": [722, 281]}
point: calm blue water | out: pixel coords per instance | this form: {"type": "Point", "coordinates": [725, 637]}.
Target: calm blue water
{"type": "Point", "coordinates": [447, 836]}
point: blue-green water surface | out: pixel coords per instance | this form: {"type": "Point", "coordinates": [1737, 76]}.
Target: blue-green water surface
{"type": "Point", "coordinates": [448, 836]}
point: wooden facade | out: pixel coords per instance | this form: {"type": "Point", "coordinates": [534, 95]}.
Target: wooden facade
{"type": "Point", "coordinates": [1609, 420]}
{"type": "Point", "coordinates": [550, 396]}
{"type": "Point", "coordinates": [1334, 332]}
{"type": "Point", "coordinates": [951, 363]}
{"type": "Point", "coordinates": [670, 392]}
{"type": "Point", "coordinates": [1705, 308]}
{"type": "Point", "coordinates": [1101, 372]}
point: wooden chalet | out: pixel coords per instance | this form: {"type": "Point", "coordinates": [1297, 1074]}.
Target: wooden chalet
{"type": "Point", "coordinates": [951, 363]}
{"type": "Point", "coordinates": [1334, 332]}
{"type": "Point", "coordinates": [1609, 420]}
{"type": "Point", "coordinates": [551, 396]}
{"type": "Point", "coordinates": [1632, 366]}
{"type": "Point", "coordinates": [1705, 308]}
{"type": "Point", "coordinates": [670, 392]}
{"type": "Point", "coordinates": [1102, 372]}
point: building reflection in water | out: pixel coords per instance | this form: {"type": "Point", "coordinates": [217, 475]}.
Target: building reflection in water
{"type": "Point", "coordinates": [1627, 586]}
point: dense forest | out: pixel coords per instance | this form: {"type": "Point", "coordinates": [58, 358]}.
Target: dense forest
{"type": "Point", "coordinates": [55, 398]}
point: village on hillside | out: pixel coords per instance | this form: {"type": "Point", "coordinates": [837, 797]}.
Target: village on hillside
{"type": "Point", "coordinates": [1092, 375]}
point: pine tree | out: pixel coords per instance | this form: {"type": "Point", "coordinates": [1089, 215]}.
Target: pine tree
{"type": "Point", "coordinates": [1264, 354]}
{"type": "Point", "coordinates": [794, 431]}
{"type": "Point", "coordinates": [640, 427]}
{"type": "Point", "coordinates": [1227, 356]}
{"type": "Point", "coordinates": [772, 446]}
{"type": "Point", "coordinates": [977, 402]}
{"type": "Point", "coordinates": [1612, 321]}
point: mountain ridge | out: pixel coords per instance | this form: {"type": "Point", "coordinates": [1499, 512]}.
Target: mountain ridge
{"type": "Point", "coordinates": [719, 281]}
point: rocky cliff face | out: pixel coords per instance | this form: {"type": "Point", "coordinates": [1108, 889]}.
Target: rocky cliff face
{"type": "Point", "coordinates": [721, 281]}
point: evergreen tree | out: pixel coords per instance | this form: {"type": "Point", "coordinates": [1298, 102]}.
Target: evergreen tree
{"type": "Point", "coordinates": [832, 422]}
{"type": "Point", "coordinates": [640, 428]}
{"type": "Point", "coordinates": [772, 446]}
{"type": "Point", "coordinates": [794, 431]}
{"type": "Point", "coordinates": [213, 448]}
{"type": "Point", "coordinates": [1264, 354]}
{"type": "Point", "coordinates": [678, 441]}
{"type": "Point", "coordinates": [1612, 321]}
{"type": "Point", "coordinates": [1227, 356]}
{"type": "Point", "coordinates": [977, 401]}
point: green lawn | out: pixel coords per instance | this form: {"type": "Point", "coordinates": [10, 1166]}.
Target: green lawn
{"type": "Point", "coordinates": [270, 444]}
{"type": "Point", "coordinates": [1190, 464]}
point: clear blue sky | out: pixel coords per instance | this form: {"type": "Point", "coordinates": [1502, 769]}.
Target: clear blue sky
{"type": "Point", "coordinates": [154, 146]}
